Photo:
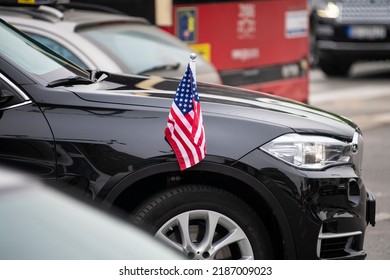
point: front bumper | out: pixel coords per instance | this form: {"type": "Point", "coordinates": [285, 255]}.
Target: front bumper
{"type": "Point", "coordinates": [341, 245]}
{"type": "Point", "coordinates": [354, 50]}
{"type": "Point", "coordinates": [334, 39]}
{"type": "Point", "coordinates": [335, 211]}
{"type": "Point", "coordinates": [341, 207]}
{"type": "Point", "coordinates": [344, 245]}
{"type": "Point", "coordinates": [328, 211]}
{"type": "Point", "coordinates": [333, 245]}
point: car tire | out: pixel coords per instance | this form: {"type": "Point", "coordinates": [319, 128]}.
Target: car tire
{"type": "Point", "coordinates": [335, 68]}
{"type": "Point", "coordinates": [205, 222]}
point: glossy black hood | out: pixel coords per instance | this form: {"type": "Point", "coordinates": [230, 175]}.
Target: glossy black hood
{"type": "Point", "coordinates": [219, 100]}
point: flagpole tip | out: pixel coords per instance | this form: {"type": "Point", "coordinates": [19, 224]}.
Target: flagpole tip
{"type": "Point", "coordinates": [193, 56]}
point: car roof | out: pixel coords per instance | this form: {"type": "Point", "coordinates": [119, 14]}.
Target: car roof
{"type": "Point", "coordinates": [73, 17]}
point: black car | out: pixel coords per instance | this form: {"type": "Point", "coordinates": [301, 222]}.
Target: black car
{"type": "Point", "coordinates": [281, 180]}
{"type": "Point", "coordinates": [347, 31]}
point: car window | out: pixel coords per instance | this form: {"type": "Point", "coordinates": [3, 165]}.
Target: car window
{"type": "Point", "coordinates": [138, 47]}
{"type": "Point", "coordinates": [58, 48]}
{"type": "Point", "coordinates": [37, 60]}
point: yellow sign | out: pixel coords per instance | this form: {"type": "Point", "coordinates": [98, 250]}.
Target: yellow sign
{"type": "Point", "coordinates": [26, 1]}
{"type": "Point", "coordinates": [35, 2]}
{"type": "Point", "coordinates": [203, 49]}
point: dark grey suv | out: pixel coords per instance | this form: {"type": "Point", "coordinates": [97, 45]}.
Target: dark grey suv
{"type": "Point", "coordinates": [347, 31]}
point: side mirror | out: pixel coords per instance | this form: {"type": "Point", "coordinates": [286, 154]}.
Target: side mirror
{"type": "Point", "coordinates": [4, 96]}
{"type": "Point", "coordinates": [5, 99]}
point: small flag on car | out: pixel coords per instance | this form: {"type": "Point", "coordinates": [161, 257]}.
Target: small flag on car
{"type": "Point", "coordinates": [185, 131]}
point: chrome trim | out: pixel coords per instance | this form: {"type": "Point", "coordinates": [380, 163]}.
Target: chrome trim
{"type": "Point", "coordinates": [357, 148]}
{"type": "Point", "coordinates": [355, 142]}
{"type": "Point", "coordinates": [329, 235]}
{"type": "Point", "coordinates": [16, 105]}
{"type": "Point", "coordinates": [363, 11]}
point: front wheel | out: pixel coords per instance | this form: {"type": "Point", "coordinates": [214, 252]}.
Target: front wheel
{"type": "Point", "coordinates": [204, 222]}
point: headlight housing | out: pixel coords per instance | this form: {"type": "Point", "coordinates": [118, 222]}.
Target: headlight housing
{"type": "Point", "coordinates": [310, 151]}
{"type": "Point", "coordinates": [328, 9]}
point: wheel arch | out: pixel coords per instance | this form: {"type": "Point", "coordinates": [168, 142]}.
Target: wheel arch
{"type": "Point", "coordinates": [138, 186]}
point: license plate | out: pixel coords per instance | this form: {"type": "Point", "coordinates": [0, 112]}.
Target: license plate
{"type": "Point", "coordinates": [366, 32]}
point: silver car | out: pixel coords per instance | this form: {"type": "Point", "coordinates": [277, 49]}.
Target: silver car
{"type": "Point", "coordinates": [106, 41]}
{"type": "Point", "coordinates": [42, 223]}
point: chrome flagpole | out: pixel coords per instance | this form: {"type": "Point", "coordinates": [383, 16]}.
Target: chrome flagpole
{"type": "Point", "coordinates": [193, 65]}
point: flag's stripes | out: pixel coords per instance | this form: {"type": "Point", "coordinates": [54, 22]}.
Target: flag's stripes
{"type": "Point", "coordinates": [181, 152]}
{"type": "Point", "coordinates": [198, 121]}
{"type": "Point", "coordinates": [185, 131]}
{"type": "Point", "coordinates": [186, 121]}
{"type": "Point", "coordinates": [190, 149]}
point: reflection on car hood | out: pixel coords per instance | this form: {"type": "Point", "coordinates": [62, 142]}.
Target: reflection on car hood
{"type": "Point", "coordinates": [216, 99]}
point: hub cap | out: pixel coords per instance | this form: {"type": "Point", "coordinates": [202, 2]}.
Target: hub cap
{"type": "Point", "coordinates": [204, 234]}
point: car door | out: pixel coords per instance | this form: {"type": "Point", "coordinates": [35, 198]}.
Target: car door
{"type": "Point", "coordinates": [26, 141]}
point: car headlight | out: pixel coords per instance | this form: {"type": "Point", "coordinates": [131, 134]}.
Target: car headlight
{"type": "Point", "coordinates": [328, 9]}
{"type": "Point", "coordinates": [309, 151]}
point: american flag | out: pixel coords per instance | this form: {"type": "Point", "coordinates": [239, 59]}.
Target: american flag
{"type": "Point", "coordinates": [185, 130]}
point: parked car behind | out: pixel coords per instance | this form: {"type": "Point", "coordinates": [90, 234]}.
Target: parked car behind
{"type": "Point", "coordinates": [347, 31]}
{"type": "Point", "coordinates": [280, 180]}
{"type": "Point", "coordinates": [105, 40]}
{"type": "Point", "coordinates": [41, 223]}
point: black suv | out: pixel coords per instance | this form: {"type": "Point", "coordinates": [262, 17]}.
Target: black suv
{"type": "Point", "coordinates": [280, 179]}
{"type": "Point", "coordinates": [347, 31]}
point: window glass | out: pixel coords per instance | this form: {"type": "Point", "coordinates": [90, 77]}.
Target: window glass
{"type": "Point", "coordinates": [139, 47]}
{"type": "Point", "coordinates": [38, 61]}
{"type": "Point", "coordinates": [58, 48]}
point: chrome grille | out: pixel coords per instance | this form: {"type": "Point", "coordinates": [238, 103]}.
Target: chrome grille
{"type": "Point", "coordinates": [365, 11]}
{"type": "Point", "coordinates": [337, 245]}
{"type": "Point", "coordinates": [335, 248]}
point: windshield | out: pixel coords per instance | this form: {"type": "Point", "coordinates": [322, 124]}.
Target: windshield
{"type": "Point", "coordinates": [137, 47]}
{"type": "Point", "coordinates": [35, 59]}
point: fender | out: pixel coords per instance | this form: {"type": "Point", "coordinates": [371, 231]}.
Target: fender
{"type": "Point", "coordinates": [259, 187]}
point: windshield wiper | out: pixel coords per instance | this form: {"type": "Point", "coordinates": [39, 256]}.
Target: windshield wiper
{"type": "Point", "coordinates": [97, 76]}
{"type": "Point", "coordinates": [76, 80]}
{"type": "Point", "coordinates": [160, 68]}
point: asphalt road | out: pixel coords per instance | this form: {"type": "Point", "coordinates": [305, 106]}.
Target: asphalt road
{"type": "Point", "coordinates": [364, 97]}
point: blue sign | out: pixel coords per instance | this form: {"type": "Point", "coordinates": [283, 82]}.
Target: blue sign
{"type": "Point", "coordinates": [186, 20]}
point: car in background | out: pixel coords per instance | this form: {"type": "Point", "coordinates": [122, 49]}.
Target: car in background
{"type": "Point", "coordinates": [280, 180]}
{"type": "Point", "coordinates": [104, 40]}
{"type": "Point", "coordinates": [41, 223]}
{"type": "Point", "coordinates": [347, 31]}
